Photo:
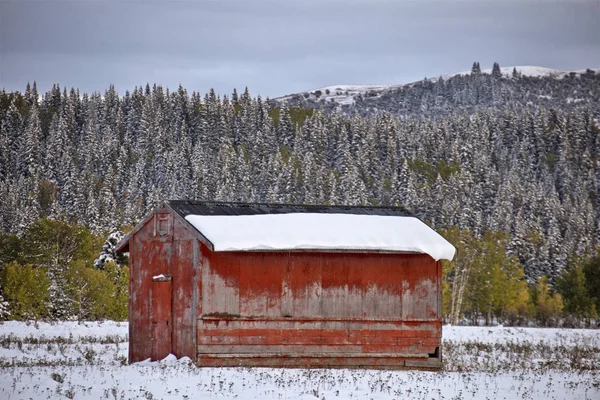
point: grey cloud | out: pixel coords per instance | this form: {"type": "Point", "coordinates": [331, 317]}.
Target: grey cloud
{"type": "Point", "coordinates": [279, 47]}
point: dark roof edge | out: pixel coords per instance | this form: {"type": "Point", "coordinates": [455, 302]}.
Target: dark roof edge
{"type": "Point", "coordinates": [193, 207]}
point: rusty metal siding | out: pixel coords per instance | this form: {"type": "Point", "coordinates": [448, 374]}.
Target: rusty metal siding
{"type": "Point", "coordinates": [335, 309]}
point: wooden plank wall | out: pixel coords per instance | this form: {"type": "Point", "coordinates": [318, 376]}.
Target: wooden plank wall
{"type": "Point", "coordinates": [162, 316]}
{"type": "Point", "coordinates": [317, 309]}
{"type": "Point", "coordinates": [183, 269]}
{"type": "Point", "coordinates": [149, 257]}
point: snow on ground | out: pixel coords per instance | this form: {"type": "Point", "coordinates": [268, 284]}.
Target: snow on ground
{"type": "Point", "coordinates": [343, 94]}
{"type": "Point", "coordinates": [88, 361]}
{"type": "Point", "coordinates": [500, 334]}
{"type": "Point", "coordinates": [182, 381]}
{"type": "Point", "coordinates": [45, 330]}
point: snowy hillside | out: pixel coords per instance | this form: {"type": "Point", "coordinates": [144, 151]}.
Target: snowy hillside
{"type": "Point", "coordinates": [528, 70]}
{"type": "Point", "coordinates": [89, 360]}
{"type": "Point", "coordinates": [342, 94]}
{"type": "Point", "coordinates": [347, 94]}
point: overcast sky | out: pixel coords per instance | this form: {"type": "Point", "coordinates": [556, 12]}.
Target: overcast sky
{"type": "Point", "coordinates": [284, 46]}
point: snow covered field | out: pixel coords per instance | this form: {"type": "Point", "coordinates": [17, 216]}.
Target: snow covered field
{"type": "Point", "coordinates": [89, 360]}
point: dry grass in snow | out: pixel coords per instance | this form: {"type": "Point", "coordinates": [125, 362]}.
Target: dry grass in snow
{"type": "Point", "coordinates": [89, 361]}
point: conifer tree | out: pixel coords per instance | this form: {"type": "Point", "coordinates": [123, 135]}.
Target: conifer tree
{"type": "Point", "coordinates": [29, 159]}
{"type": "Point", "coordinates": [4, 310]}
{"type": "Point", "coordinates": [109, 254]}
{"type": "Point", "coordinates": [577, 301]}
{"type": "Point", "coordinates": [496, 73]}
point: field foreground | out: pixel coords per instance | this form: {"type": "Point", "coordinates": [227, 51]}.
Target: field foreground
{"type": "Point", "coordinates": [89, 360]}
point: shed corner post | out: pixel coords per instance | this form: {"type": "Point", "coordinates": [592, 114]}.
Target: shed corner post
{"type": "Point", "coordinates": [196, 295]}
{"type": "Point", "coordinates": [132, 292]}
{"type": "Point", "coordinates": [440, 306]}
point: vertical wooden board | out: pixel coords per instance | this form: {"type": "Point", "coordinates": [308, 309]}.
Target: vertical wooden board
{"type": "Point", "coordinates": [148, 256]}
{"type": "Point", "coordinates": [287, 292]}
{"type": "Point", "coordinates": [383, 276]}
{"type": "Point", "coordinates": [420, 288]}
{"type": "Point", "coordinates": [201, 264]}
{"type": "Point", "coordinates": [161, 320]}
{"type": "Point", "coordinates": [158, 257]}
{"type": "Point", "coordinates": [305, 277]}
{"type": "Point", "coordinates": [184, 277]}
{"type": "Point", "coordinates": [354, 277]}
{"type": "Point", "coordinates": [439, 290]}
{"type": "Point", "coordinates": [261, 276]}
{"type": "Point", "coordinates": [220, 284]}
{"type": "Point", "coordinates": [253, 299]}
{"type": "Point", "coordinates": [334, 286]}
{"type": "Point", "coordinates": [133, 317]}
{"type": "Point", "coordinates": [130, 288]}
{"type": "Point", "coordinates": [181, 231]}
{"type": "Point", "coordinates": [374, 276]}
{"type": "Point", "coordinates": [274, 265]}
{"type": "Point", "coordinates": [140, 280]}
{"type": "Point", "coordinates": [369, 303]}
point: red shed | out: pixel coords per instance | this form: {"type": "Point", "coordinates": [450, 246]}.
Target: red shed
{"type": "Point", "coordinates": [230, 284]}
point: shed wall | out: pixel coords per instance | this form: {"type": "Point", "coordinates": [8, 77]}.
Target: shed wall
{"type": "Point", "coordinates": [162, 315]}
{"type": "Point", "coordinates": [315, 308]}
{"type": "Point", "coordinates": [278, 308]}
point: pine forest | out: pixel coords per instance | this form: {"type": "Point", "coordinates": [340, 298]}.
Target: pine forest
{"type": "Point", "coordinates": [506, 167]}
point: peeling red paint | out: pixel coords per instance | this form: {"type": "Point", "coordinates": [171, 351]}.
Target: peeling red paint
{"type": "Point", "coordinates": [304, 308]}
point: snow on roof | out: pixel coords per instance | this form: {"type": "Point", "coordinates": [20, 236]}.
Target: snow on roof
{"type": "Point", "coordinates": [314, 231]}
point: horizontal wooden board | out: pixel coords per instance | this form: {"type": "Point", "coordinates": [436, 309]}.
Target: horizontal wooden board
{"type": "Point", "coordinates": [227, 323]}
{"type": "Point", "coordinates": [379, 361]}
{"type": "Point", "coordinates": [308, 337]}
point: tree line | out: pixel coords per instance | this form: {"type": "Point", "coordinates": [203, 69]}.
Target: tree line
{"type": "Point", "coordinates": [104, 160]}
{"type": "Point", "coordinates": [484, 284]}
{"type": "Point", "coordinates": [60, 270]}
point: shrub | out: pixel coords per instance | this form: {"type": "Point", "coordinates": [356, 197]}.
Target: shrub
{"type": "Point", "coordinates": [26, 288]}
{"type": "Point", "coordinates": [98, 294]}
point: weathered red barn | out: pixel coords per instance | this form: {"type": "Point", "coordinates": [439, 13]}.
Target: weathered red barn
{"type": "Point", "coordinates": [230, 284]}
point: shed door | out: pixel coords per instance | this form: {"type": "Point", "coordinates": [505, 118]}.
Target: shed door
{"type": "Point", "coordinates": [161, 317]}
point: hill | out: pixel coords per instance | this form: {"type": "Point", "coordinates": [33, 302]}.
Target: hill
{"type": "Point", "coordinates": [463, 91]}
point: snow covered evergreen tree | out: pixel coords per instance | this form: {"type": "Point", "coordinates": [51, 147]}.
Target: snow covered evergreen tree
{"type": "Point", "coordinates": [487, 153]}
{"type": "Point", "coordinates": [109, 254]}
{"type": "Point", "coordinates": [4, 311]}
{"type": "Point", "coordinates": [496, 73]}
